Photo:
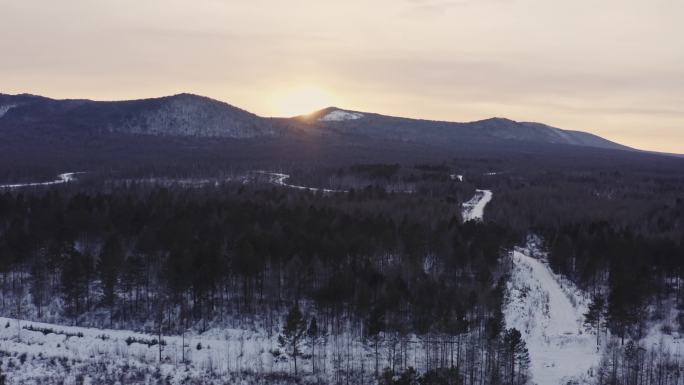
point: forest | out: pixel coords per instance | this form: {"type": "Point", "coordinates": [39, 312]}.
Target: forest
{"type": "Point", "coordinates": [396, 276]}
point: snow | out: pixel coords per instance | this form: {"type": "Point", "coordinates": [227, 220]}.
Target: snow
{"type": "Point", "coordinates": [224, 351]}
{"type": "Point", "coordinates": [280, 179]}
{"type": "Point", "coordinates": [339, 115]}
{"type": "Point", "coordinates": [473, 210]}
{"type": "Point", "coordinates": [61, 178]}
{"type": "Point", "coordinates": [4, 109]}
{"type": "Point", "coordinates": [548, 311]}
{"type": "Point", "coordinates": [672, 341]}
{"type": "Point", "coordinates": [456, 177]}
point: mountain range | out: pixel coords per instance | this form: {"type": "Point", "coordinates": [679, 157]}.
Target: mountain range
{"type": "Point", "coordinates": [194, 133]}
{"type": "Point", "coordinates": [187, 115]}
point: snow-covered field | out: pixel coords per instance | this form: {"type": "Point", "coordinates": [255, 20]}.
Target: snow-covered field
{"type": "Point", "coordinates": [473, 210]}
{"type": "Point", "coordinates": [51, 353]}
{"type": "Point", "coordinates": [61, 178]}
{"type": "Point", "coordinates": [549, 311]}
{"type": "Point", "coordinates": [220, 351]}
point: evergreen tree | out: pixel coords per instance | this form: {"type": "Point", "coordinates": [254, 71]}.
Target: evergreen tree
{"type": "Point", "coordinates": [108, 267]}
{"type": "Point", "coordinates": [375, 325]}
{"type": "Point", "coordinates": [516, 355]}
{"type": "Point", "coordinates": [314, 335]}
{"type": "Point", "coordinates": [293, 334]}
{"type": "Point", "coordinates": [38, 285]}
{"type": "Point", "coordinates": [594, 317]}
{"type": "Point", "coordinates": [74, 279]}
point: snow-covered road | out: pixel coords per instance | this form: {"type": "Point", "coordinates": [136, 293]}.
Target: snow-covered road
{"type": "Point", "coordinates": [280, 179]}
{"type": "Point", "coordinates": [548, 311]}
{"type": "Point", "coordinates": [61, 178]}
{"type": "Point", "coordinates": [473, 210]}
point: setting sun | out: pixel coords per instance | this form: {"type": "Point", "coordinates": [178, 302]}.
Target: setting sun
{"type": "Point", "coordinates": [301, 100]}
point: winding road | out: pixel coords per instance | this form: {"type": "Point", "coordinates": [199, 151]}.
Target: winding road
{"type": "Point", "coordinates": [280, 180]}
{"type": "Point", "coordinates": [473, 210]}
{"type": "Point", "coordinates": [548, 311]}
{"type": "Point", "coordinates": [61, 178]}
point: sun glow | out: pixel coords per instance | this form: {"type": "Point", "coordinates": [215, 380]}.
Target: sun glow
{"type": "Point", "coordinates": [300, 100]}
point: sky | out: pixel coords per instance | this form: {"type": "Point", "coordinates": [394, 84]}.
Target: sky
{"type": "Point", "coordinates": [611, 67]}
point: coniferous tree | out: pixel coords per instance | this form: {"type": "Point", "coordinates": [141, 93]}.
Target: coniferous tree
{"type": "Point", "coordinates": [516, 355]}
{"type": "Point", "coordinates": [74, 279]}
{"type": "Point", "coordinates": [375, 325]}
{"type": "Point", "coordinates": [108, 267]}
{"type": "Point", "coordinates": [38, 286]}
{"type": "Point", "coordinates": [293, 334]}
{"type": "Point", "coordinates": [594, 317]}
{"type": "Point", "coordinates": [314, 335]}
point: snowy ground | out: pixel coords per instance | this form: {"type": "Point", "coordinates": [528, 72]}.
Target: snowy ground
{"type": "Point", "coordinates": [221, 352]}
{"type": "Point", "coordinates": [34, 352]}
{"type": "Point", "coordinates": [548, 311]}
{"type": "Point", "coordinates": [473, 210]}
{"type": "Point", "coordinates": [61, 178]}
{"type": "Point", "coordinates": [672, 341]}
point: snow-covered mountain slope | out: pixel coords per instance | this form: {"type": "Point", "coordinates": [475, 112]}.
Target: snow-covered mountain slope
{"type": "Point", "coordinates": [473, 210]}
{"type": "Point", "coordinates": [4, 109]}
{"type": "Point", "coordinates": [182, 115]}
{"type": "Point", "coordinates": [340, 115]}
{"type": "Point", "coordinates": [548, 311]}
{"type": "Point", "coordinates": [192, 115]}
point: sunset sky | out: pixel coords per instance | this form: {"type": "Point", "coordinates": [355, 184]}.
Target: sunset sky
{"type": "Point", "coordinates": [611, 67]}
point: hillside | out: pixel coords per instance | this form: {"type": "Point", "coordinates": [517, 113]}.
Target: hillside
{"type": "Point", "coordinates": [185, 133]}
{"type": "Point", "coordinates": [196, 116]}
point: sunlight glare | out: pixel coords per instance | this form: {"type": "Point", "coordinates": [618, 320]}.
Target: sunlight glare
{"type": "Point", "coordinates": [301, 100]}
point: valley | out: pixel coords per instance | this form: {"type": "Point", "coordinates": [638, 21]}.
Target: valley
{"type": "Point", "coordinates": [335, 247]}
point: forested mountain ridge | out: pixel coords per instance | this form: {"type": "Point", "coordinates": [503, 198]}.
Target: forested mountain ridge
{"type": "Point", "coordinates": [187, 134]}
{"type": "Point", "coordinates": [491, 130]}
{"type": "Point", "coordinates": [177, 115]}
{"type": "Point", "coordinates": [196, 116]}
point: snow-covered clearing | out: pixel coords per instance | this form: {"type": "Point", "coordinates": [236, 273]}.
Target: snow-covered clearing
{"type": "Point", "coordinates": [280, 179]}
{"type": "Point", "coordinates": [92, 342]}
{"type": "Point", "coordinates": [671, 341]}
{"type": "Point", "coordinates": [61, 178]}
{"type": "Point", "coordinates": [456, 177]}
{"type": "Point", "coordinates": [473, 210]}
{"type": "Point", "coordinates": [339, 115]}
{"type": "Point", "coordinates": [548, 311]}
{"type": "Point", "coordinates": [220, 352]}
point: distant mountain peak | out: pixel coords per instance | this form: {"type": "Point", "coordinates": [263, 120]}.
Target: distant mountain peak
{"type": "Point", "coordinates": [333, 114]}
